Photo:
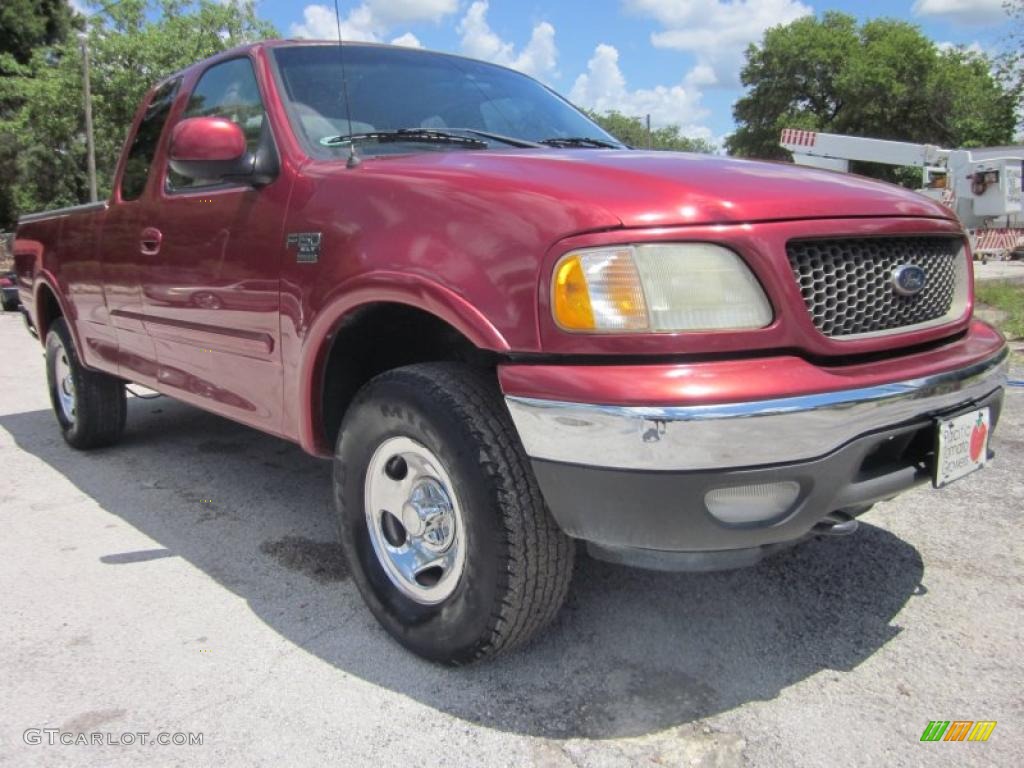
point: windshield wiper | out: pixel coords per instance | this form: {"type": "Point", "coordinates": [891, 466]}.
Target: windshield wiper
{"type": "Point", "coordinates": [510, 140]}
{"type": "Point", "coordinates": [579, 141]}
{"type": "Point", "coordinates": [426, 135]}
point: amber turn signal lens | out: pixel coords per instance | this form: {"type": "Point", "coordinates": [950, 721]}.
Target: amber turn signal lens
{"type": "Point", "coordinates": [571, 297]}
{"type": "Point", "coordinates": [599, 290]}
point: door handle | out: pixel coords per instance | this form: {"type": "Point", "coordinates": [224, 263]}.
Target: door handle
{"type": "Point", "coordinates": [149, 242]}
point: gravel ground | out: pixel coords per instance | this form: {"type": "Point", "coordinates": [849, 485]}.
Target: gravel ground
{"type": "Point", "coordinates": [188, 580]}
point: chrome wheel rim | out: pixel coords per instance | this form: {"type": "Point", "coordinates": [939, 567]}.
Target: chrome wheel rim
{"type": "Point", "coordinates": [65, 384]}
{"type": "Point", "coordinates": [415, 521]}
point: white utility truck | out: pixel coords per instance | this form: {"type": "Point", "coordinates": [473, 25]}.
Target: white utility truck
{"type": "Point", "coordinates": [984, 186]}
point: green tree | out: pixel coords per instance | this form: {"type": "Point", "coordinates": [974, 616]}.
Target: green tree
{"type": "Point", "coordinates": [633, 131]}
{"type": "Point", "coordinates": [1011, 63]}
{"type": "Point", "coordinates": [132, 44]}
{"type": "Point", "coordinates": [27, 24]}
{"type": "Point", "coordinates": [883, 79]}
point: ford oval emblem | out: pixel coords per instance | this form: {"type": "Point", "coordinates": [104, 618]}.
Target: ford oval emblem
{"type": "Point", "coordinates": [908, 279]}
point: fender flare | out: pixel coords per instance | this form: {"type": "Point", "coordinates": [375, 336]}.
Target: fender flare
{"type": "Point", "coordinates": [45, 279]}
{"type": "Point", "coordinates": [381, 287]}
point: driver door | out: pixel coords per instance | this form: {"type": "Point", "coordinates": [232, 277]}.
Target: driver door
{"type": "Point", "coordinates": [212, 293]}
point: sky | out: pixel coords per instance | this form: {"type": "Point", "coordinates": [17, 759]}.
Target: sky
{"type": "Point", "coordinates": [677, 60]}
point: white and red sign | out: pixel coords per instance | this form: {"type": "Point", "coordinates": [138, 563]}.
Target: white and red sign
{"type": "Point", "coordinates": [962, 446]}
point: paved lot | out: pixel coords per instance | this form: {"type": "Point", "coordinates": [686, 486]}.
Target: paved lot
{"type": "Point", "coordinates": [188, 580]}
{"type": "Point", "coordinates": [999, 270]}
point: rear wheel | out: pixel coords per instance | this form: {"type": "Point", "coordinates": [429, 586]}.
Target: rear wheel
{"type": "Point", "coordinates": [90, 406]}
{"type": "Point", "coordinates": [441, 518]}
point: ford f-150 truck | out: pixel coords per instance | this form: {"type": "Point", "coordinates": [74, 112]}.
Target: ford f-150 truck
{"type": "Point", "coordinates": [511, 332]}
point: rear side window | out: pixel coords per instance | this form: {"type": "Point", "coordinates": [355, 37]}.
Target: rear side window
{"type": "Point", "coordinates": [143, 148]}
{"type": "Point", "coordinates": [226, 90]}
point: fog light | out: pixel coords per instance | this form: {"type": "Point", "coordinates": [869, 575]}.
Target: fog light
{"type": "Point", "coordinates": [751, 503]}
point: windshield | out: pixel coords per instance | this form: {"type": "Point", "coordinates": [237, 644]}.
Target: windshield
{"type": "Point", "coordinates": [394, 88]}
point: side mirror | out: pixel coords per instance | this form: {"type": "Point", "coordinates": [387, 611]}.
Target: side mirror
{"type": "Point", "coordinates": [210, 148]}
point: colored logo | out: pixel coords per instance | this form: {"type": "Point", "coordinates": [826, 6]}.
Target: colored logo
{"type": "Point", "coordinates": [908, 279]}
{"type": "Point", "coordinates": [958, 730]}
{"type": "Point", "coordinates": [978, 434]}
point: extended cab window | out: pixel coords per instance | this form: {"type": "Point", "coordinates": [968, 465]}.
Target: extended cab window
{"type": "Point", "coordinates": [226, 90]}
{"type": "Point", "coordinates": [143, 149]}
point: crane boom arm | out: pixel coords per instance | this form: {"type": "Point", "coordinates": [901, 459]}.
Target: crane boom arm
{"type": "Point", "coordinates": [837, 147]}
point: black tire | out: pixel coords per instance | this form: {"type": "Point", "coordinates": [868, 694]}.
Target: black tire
{"type": "Point", "coordinates": [518, 563]}
{"type": "Point", "coordinates": [100, 408]}
{"type": "Point", "coordinates": [9, 305]}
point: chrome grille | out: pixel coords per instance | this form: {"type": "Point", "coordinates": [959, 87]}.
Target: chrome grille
{"type": "Point", "coordinates": [847, 284]}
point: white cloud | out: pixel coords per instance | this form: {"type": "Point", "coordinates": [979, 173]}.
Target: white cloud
{"type": "Point", "coordinates": [409, 40]}
{"type": "Point", "coordinates": [539, 57]}
{"type": "Point", "coordinates": [975, 47]}
{"type": "Point", "coordinates": [976, 12]}
{"type": "Point", "coordinates": [716, 31]}
{"type": "Point", "coordinates": [370, 21]}
{"type": "Point", "coordinates": [319, 23]}
{"type": "Point", "coordinates": [603, 87]}
{"type": "Point", "coordinates": [409, 11]}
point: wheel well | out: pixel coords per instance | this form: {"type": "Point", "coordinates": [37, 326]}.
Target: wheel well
{"type": "Point", "coordinates": [377, 338]}
{"type": "Point", "coordinates": [49, 310]}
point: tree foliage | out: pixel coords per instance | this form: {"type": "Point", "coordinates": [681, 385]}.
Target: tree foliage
{"type": "Point", "coordinates": [27, 24]}
{"type": "Point", "coordinates": [1011, 62]}
{"type": "Point", "coordinates": [883, 79]}
{"type": "Point", "coordinates": [132, 44]}
{"type": "Point", "coordinates": [633, 131]}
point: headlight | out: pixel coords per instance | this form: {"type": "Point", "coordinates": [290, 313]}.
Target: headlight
{"type": "Point", "coordinates": [657, 288]}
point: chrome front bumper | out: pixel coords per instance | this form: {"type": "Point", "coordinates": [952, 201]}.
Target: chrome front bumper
{"type": "Point", "coordinates": [746, 434]}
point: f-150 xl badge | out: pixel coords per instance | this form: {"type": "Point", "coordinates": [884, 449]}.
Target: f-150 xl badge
{"type": "Point", "coordinates": [308, 244]}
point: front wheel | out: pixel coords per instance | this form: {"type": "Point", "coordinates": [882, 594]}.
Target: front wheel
{"type": "Point", "coordinates": [90, 406]}
{"type": "Point", "coordinates": [441, 519]}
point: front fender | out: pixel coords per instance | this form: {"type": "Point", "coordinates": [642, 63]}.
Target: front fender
{"type": "Point", "coordinates": [376, 288]}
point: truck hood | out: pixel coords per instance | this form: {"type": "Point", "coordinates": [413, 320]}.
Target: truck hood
{"type": "Point", "coordinates": [644, 189]}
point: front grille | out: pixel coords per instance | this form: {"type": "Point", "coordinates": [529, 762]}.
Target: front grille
{"type": "Point", "coordinates": [847, 284]}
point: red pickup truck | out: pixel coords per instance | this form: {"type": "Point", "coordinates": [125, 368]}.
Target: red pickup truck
{"type": "Point", "coordinates": [509, 331]}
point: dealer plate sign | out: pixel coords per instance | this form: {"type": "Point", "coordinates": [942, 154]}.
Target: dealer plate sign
{"type": "Point", "coordinates": [962, 446]}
